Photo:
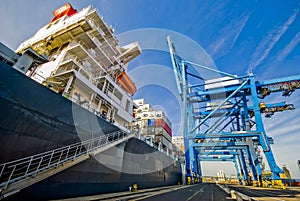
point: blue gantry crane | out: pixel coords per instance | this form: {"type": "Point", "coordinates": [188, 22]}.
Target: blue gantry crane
{"type": "Point", "coordinates": [222, 117]}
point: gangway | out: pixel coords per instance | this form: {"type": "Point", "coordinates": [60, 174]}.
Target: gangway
{"type": "Point", "coordinates": [223, 113]}
{"type": "Point", "coordinates": [19, 174]}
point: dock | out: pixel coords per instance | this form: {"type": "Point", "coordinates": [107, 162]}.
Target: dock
{"type": "Point", "coordinates": [202, 191]}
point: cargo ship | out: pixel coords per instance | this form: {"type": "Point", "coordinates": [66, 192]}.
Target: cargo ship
{"type": "Point", "coordinates": [66, 84]}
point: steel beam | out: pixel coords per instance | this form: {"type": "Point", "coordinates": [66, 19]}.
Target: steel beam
{"type": "Point", "coordinates": [229, 130]}
{"type": "Point", "coordinates": [278, 80]}
{"type": "Point", "coordinates": [221, 104]}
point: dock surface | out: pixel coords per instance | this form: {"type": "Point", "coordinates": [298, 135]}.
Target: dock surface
{"type": "Point", "coordinates": [202, 191]}
{"type": "Point", "coordinates": [269, 194]}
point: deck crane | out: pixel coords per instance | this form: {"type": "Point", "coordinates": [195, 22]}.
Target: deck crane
{"type": "Point", "coordinates": [223, 115]}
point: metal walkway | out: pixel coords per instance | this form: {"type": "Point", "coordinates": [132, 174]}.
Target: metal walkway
{"type": "Point", "coordinates": [19, 174]}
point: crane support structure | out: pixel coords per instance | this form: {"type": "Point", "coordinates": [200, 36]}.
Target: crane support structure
{"type": "Point", "coordinates": [223, 117]}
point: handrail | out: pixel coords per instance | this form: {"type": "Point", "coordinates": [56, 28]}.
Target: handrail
{"type": "Point", "coordinates": [21, 169]}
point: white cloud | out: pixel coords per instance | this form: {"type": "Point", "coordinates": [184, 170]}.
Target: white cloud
{"type": "Point", "coordinates": [228, 36]}
{"type": "Point", "coordinates": [211, 168]}
{"type": "Point", "coordinates": [284, 128]}
{"type": "Point", "coordinates": [284, 119]}
{"type": "Point", "coordinates": [289, 47]}
{"type": "Point", "coordinates": [240, 26]}
{"type": "Point", "coordinates": [267, 44]}
{"type": "Point", "coordinates": [282, 124]}
{"type": "Point", "coordinates": [288, 154]}
{"type": "Point", "coordinates": [288, 131]}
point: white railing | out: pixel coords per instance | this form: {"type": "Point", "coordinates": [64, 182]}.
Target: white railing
{"type": "Point", "coordinates": [31, 166]}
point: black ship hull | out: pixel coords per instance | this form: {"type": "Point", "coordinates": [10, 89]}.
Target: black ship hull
{"type": "Point", "coordinates": [35, 119]}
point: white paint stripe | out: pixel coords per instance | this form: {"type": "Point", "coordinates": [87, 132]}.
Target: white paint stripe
{"type": "Point", "coordinates": [195, 193]}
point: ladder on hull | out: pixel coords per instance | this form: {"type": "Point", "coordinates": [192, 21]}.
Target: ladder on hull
{"type": "Point", "coordinates": [19, 174]}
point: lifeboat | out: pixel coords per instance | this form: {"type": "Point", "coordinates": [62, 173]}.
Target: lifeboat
{"type": "Point", "coordinates": [126, 83]}
{"type": "Point", "coordinates": [66, 9]}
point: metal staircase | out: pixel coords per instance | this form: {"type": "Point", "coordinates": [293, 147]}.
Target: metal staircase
{"type": "Point", "coordinates": [19, 174]}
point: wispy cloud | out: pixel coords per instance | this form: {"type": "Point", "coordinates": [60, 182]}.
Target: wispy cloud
{"type": "Point", "coordinates": [286, 131]}
{"type": "Point", "coordinates": [287, 154]}
{"type": "Point", "coordinates": [267, 44]}
{"type": "Point", "coordinates": [228, 36]}
{"type": "Point", "coordinates": [284, 118]}
{"type": "Point", "coordinates": [207, 6]}
{"type": "Point", "coordinates": [289, 47]}
{"type": "Point", "coordinates": [240, 26]}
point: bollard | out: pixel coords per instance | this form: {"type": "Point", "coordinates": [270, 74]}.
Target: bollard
{"type": "Point", "coordinates": [134, 187]}
{"type": "Point", "coordinates": [188, 181]}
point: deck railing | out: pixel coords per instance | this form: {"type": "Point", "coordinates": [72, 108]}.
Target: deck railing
{"type": "Point", "coordinates": [31, 166]}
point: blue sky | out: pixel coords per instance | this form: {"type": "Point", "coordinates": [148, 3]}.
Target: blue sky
{"type": "Point", "coordinates": [238, 36]}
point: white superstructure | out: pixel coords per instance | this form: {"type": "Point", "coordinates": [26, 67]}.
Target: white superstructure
{"type": "Point", "coordinates": [86, 63]}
